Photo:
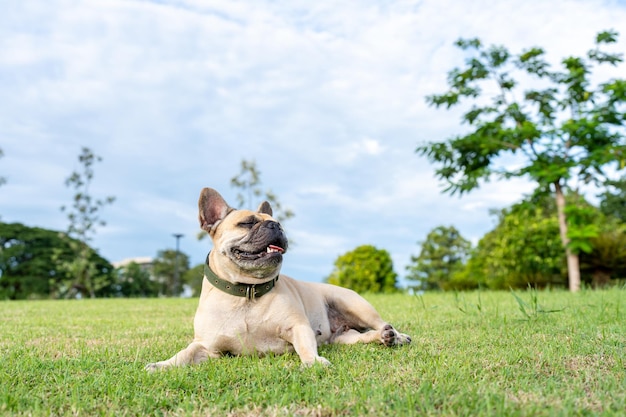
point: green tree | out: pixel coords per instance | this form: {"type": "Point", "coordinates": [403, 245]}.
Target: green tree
{"type": "Point", "coordinates": [365, 269]}
{"type": "Point", "coordinates": [134, 281]}
{"type": "Point", "coordinates": [30, 267]}
{"type": "Point", "coordinates": [83, 218]}
{"type": "Point", "coordinates": [248, 182]}
{"type": "Point", "coordinates": [250, 194]}
{"type": "Point", "coordinates": [523, 249]}
{"type": "Point", "coordinates": [193, 278]}
{"type": "Point", "coordinates": [164, 270]}
{"type": "Point", "coordinates": [561, 129]}
{"type": "Point", "coordinates": [607, 259]}
{"type": "Point", "coordinates": [613, 200]}
{"type": "Point", "coordinates": [442, 255]}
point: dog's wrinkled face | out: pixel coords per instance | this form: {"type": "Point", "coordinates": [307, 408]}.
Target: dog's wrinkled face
{"type": "Point", "coordinates": [252, 242]}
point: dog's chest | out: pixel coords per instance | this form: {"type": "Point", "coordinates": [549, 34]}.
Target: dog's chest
{"type": "Point", "coordinates": [245, 330]}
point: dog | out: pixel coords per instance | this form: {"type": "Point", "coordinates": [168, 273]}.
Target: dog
{"type": "Point", "coordinates": [247, 307]}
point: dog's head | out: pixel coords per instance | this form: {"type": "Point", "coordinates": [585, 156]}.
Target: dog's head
{"type": "Point", "coordinates": [248, 246]}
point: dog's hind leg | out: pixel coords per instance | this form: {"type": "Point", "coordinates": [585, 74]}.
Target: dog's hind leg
{"type": "Point", "coordinates": [388, 336]}
{"type": "Point", "coordinates": [195, 353]}
{"type": "Point", "coordinates": [354, 320]}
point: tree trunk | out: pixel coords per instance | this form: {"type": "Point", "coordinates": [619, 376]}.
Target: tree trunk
{"type": "Point", "coordinates": [573, 265]}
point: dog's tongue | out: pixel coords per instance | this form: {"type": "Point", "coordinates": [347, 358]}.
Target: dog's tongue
{"type": "Point", "coordinates": [274, 248]}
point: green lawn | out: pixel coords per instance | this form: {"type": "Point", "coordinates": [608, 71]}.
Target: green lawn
{"type": "Point", "coordinates": [488, 353]}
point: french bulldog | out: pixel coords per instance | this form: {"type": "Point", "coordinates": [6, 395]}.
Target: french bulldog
{"type": "Point", "coordinates": [247, 307]}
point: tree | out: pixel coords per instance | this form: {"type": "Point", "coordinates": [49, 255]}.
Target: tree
{"type": "Point", "coordinates": [164, 270]}
{"type": "Point", "coordinates": [248, 182]}
{"type": "Point", "coordinates": [365, 269]}
{"type": "Point", "coordinates": [193, 279]}
{"type": "Point", "coordinates": [30, 259]}
{"type": "Point", "coordinates": [613, 200]}
{"type": "Point", "coordinates": [607, 259]}
{"type": "Point", "coordinates": [523, 249]}
{"type": "Point", "coordinates": [135, 281]}
{"type": "Point", "coordinates": [562, 131]}
{"type": "Point", "coordinates": [442, 254]}
{"type": "Point", "coordinates": [83, 219]}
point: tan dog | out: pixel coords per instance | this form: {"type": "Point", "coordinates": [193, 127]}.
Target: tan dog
{"type": "Point", "coordinates": [247, 308]}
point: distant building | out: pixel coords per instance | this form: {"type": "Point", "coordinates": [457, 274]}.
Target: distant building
{"type": "Point", "coordinates": [145, 262]}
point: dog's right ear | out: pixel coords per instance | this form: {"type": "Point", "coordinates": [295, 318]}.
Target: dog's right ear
{"type": "Point", "coordinates": [212, 209]}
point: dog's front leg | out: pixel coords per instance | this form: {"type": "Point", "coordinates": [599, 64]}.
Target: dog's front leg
{"type": "Point", "coordinates": [195, 353]}
{"type": "Point", "coordinates": [302, 337]}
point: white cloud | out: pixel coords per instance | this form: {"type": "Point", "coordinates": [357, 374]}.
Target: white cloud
{"type": "Point", "coordinates": [327, 97]}
{"type": "Point", "coordinates": [351, 152]}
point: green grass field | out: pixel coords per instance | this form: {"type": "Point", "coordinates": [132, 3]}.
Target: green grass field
{"type": "Point", "coordinates": [473, 354]}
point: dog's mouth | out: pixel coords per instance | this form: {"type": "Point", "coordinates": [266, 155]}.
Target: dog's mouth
{"type": "Point", "coordinates": [269, 251]}
{"type": "Point", "coordinates": [260, 252]}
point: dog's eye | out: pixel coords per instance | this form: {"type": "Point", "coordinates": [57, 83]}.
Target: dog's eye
{"type": "Point", "coordinates": [248, 223]}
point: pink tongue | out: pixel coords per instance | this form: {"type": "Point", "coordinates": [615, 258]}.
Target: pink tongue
{"type": "Point", "coordinates": [278, 248]}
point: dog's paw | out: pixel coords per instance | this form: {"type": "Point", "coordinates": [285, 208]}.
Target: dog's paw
{"type": "Point", "coordinates": [319, 360]}
{"type": "Point", "coordinates": [403, 339]}
{"type": "Point", "coordinates": [390, 337]}
{"type": "Point", "coordinates": [151, 367]}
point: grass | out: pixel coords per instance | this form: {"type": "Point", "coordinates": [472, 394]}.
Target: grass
{"type": "Point", "coordinates": [484, 353]}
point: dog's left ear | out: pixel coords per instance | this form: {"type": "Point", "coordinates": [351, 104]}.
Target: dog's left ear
{"type": "Point", "coordinates": [212, 209]}
{"type": "Point", "coordinates": [265, 208]}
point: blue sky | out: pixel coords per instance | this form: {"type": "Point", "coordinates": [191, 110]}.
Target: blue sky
{"type": "Point", "coordinates": [327, 97]}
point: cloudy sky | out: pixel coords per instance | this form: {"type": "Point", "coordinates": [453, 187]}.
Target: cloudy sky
{"type": "Point", "coordinates": [326, 96]}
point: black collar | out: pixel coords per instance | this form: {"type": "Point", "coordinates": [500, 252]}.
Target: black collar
{"type": "Point", "coordinates": [249, 291]}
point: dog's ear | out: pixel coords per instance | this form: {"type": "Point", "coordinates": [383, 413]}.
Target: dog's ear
{"type": "Point", "coordinates": [265, 208]}
{"type": "Point", "coordinates": [212, 209]}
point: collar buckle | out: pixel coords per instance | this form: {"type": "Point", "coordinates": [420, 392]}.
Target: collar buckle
{"type": "Point", "coordinates": [251, 292]}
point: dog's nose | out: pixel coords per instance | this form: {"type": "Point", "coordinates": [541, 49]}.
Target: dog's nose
{"type": "Point", "coordinates": [271, 224]}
